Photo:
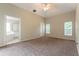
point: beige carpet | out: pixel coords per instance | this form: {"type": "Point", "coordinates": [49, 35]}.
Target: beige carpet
{"type": "Point", "coordinates": [41, 47]}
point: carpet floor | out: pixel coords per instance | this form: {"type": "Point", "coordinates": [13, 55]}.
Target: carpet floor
{"type": "Point", "coordinates": [41, 47]}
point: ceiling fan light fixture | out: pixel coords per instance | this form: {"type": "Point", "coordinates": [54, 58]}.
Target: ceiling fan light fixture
{"type": "Point", "coordinates": [45, 9]}
{"type": "Point", "coordinates": [45, 6]}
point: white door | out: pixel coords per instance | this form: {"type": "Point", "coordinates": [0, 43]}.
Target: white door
{"type": "Point", "coordinates": [12, 29]}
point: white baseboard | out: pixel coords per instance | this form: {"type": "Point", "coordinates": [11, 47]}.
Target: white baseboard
{"type": "Point", "coordinates": [31, 38]}
{"type": "Point", "coordinates": [1, 45]}
{"type": "Point", "coordinates": [61, 38]}
{"type": "Point", "coordinates": [16, 41]}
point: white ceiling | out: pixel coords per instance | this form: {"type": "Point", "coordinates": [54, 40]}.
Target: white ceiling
{"type": "Point", "coordinates": [55, 8]}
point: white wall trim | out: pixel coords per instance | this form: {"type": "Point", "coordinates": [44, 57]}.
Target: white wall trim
{"type": "Point", "coordinates": [16, 41]}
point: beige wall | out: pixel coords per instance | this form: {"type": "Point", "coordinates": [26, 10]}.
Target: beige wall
{"type": "Point", "coordinates": [30, 23]}
{"type": "Point", "coordinates": [57, 25]}
{"type": "Point", "coordinates": [77, 23]}
{"type": "Point", "coordinates": [77, 27]}
{"type": "Point", "coordinates": [1, 29]}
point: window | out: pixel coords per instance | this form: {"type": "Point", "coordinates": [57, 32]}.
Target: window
{"type": "Point", "coordinates": [68, 28]}
{"type": "Point", "coordinates": [9, 25]}
{"type": "Point", "coordinates": [8, 28]}
{"type": "Point", "coordinates": [48, 28]}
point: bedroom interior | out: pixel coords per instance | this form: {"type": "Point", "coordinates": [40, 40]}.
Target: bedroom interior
{"type": "Point", "coordinates": [39, 29]}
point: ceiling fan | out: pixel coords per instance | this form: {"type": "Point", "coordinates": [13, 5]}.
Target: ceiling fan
{"type": "Point", "coordinates": [45, 6]}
